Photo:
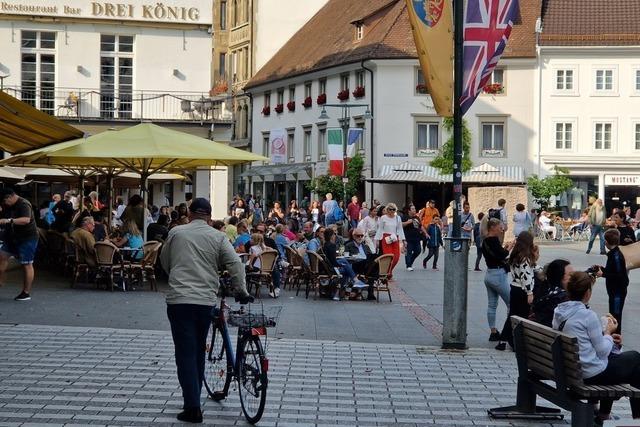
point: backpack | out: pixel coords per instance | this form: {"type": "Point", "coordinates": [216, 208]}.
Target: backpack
{"type": "Point", "coordinates": [495, 213]}
{"type": "Point", "coordinates": [337, 214]}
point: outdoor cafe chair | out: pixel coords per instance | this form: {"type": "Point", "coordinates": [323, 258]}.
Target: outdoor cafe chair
{"type": "Point", "coordinates": [56, 246]}
{"type": "Point", "coordinates": [322, 274]}
{"type": "Point", "coordinates": [268, 260]}
{"type": "Point", "coordinates": [294, 269]}
{"type": "Point", "coordinates": [105, 257]}
{"type": "Point", "coordinates": [146, 268]}
{"type": "Point", "coordinates": [384, 264]}
{"type": "Point", "coordinates": [75, 263]}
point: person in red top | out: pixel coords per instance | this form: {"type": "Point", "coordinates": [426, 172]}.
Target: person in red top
{"type": "Point", "coordinates": [353, 212]}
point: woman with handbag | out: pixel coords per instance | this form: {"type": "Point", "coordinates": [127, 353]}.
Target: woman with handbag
{"type": "Point", "coordinates": [389, 235]}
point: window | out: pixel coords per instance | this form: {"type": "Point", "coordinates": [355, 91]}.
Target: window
{"type": "Point", "coordinates": [322, 143]}
{"type": "Point", "coordinates": [265, 145]}
{"type": "Point", "coordinates": [245, 119]}
{"type": "Point", "coordinates": [307, 145]}
{"type": "Point", "coordinates": [637, 80]}
{"type": "Point", "coordinates": [344, 82]}
{"type": "Point", "coordinates": [421, 85]}
{"type": "Point", "coordinates": [247, 11]}
{"type": "Point", "coordinates": [564, 136]}
{"type": "Point", "coordinates": [223, 65]}
{"type": "Point", "coordinates": [38, 69]}
{"type": "Point", "coordinates": [602, 136]}
{"type": "Point", "coordinates": [291, 137]}
{"type": "Point", "coordinates": [564, 80]}
{"type": "Point", "coordinates": [604, 80]}
{"type": "Point", "coordinates": [493, 138]}
{"type": "Point", "coordinates": [234, 66]}
{"type": "Point", "coordinates": [116, 76]}
{"type": "Point", "coordinates": [360, 142]}
{"type": "Point", "coordinates": [322, 86]}
{"type": "Point", "coordinates": [280, 97]}
{"type": "Point", "coordinates": [359, 78]}
{"type": "Point", "coordinates": [235, 13]}
{"type": "Point", "coordinates": [292, 93]}
{"type": "Point", "coordinates": [223, 14]}
{"type": "Point", "coordinates": [636, 135]}
{"type": "Point", "coordinates": [497, 76]}
{"type": "Point", "coordinates": [267, 99]}
{"type": "Point", "coordinates": [359, 31]}
{"type": "Point", "coordinates": [428, 138]}
{"type": "Point", "coordinates": [246, 63]}
{"type": "Point", "coordinates": [307, 90]}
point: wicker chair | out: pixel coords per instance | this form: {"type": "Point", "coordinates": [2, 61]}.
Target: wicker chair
{"type": "Point", "coordinates": [105, 255]}
{"type": "Point", "coordinates": [322, 274]}
{"type": "Point", "coordinates": [75, 263]}
{"type": "Point", "coordinates": [56, 249]}
{"type": "Point", "coordinates": [146, 268]}
{"type": "Point", "coordinates": [294, 269]}
{"type": "Point", "coordinates": [380, 280]}
{"type": "Point", "coordinates": [268, 260]}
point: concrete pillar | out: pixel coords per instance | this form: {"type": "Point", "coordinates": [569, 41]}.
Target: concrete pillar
{"type": "Point", "coordinates": [218, 190]}
{"type": "Point", "coordinates": [456, 272]}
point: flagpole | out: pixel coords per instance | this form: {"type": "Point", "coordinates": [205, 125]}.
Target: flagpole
{"type": "Point", "coordinates": [454, 333]}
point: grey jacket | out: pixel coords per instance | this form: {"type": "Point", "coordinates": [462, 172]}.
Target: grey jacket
{"type": "Point", "coordinates": [192, 256]}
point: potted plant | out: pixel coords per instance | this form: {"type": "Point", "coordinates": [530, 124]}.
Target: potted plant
{"type": "Point", "coordinates": [358, 92]}
{"type": "Point", "coordinates": [422, 89]}
{"type": "Point", "coordinates": [322, 99]}
{"type": "Point", "coordinates": [279, 108]}
{"type": "Point", "coordinates": [219, 88]}
{"type": "Point", "coordinates": [343, 95]}
{"type": "Point", "coordinates": [291, 106]}
{"type": "Point", "coordinates": [307, 103]}
{"type": "Point", "coordinates": [493, 89]}
{"type": "Point", "coordinates": [266, 110]}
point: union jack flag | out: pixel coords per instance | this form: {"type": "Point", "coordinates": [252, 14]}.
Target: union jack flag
{"type": "Point", "coordinates": [487, 28]}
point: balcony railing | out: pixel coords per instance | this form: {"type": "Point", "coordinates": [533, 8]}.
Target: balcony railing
{"type": "Point", "coordinates": [96, 104]}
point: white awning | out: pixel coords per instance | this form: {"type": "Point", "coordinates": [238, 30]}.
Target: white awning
{"type": "Point", "coordinates": [485, 173]}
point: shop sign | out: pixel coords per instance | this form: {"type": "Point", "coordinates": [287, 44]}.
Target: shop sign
{"type": "Point", "coordinates": [194, 12]}
{"type": "Point", "coordinates": [622, 180]}
{"type": "Point", "coordinates": [322, 168]}
{"type": "Point", "coordinates": [396, 155]}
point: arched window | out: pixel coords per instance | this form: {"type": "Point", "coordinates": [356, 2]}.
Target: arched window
{"type": "Point", "coordinates": [245, 115]}
{"type": "Point", "coordinates": [239, 124]}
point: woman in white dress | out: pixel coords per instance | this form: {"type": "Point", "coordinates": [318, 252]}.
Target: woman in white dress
{"type": "Point", "coordinates": [521, 220]}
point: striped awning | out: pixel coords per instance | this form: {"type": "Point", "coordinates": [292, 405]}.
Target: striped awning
{"type": "Point", "coordinates": [485, 173]}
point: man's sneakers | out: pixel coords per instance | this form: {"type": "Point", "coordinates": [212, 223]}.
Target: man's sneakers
{"type": "Point", "coordinates": [23, 297]}
{"type": "Point", "coordinates": [275, 293]}
{"type": "Point", "coordinates": [409, 268]}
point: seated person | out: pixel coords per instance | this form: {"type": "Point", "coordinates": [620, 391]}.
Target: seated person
{"type": "Point", "coordinates": [581, 224]}
{"type": "Point", "coordinates": [243, 237]}
{"type": "Point", "coordinates": [356, 247]}
{"type": "Point", "coordinates": [315, 244]}
{"type": "Point", "coordinates": [100, 230]}
{"type": "Point", "coordinates": [329, 250]}
{"type": "Point", "coordinates": [256, 249]}
{"type": "Point", "coordinates": [85, 242]}
{"type": "Point", "coordinates": [132, 238]}
{"type": "Point", "coordinates": [602, 361]}
{"type": "Point", "coordinates": [545, 224]}
{"type": "Point", "coordinates": [158, 230]}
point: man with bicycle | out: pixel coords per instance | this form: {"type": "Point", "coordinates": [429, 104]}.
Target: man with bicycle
{"type": "Point", "coordinates": [193, 255]}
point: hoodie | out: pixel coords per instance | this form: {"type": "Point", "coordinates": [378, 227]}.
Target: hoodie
{"type": "Point", "coordinates": [583, 323]}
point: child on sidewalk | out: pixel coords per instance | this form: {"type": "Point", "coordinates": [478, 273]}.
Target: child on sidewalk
{"type": "Point", "coordinates": [434, 241]}
{"type": "Point", "coordinates": [616, 275]}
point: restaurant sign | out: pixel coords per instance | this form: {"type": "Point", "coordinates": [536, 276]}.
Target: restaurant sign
{"type": "Point", "coordinates": [632, 180]}
{"type": "Point", "coordinates": [194, 12]}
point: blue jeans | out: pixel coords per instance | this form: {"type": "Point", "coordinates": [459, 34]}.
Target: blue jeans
{"type": "Point", "coordinates": [496, 281]}
{"type": "Point", "coordinates": [347, 271]}
{"type": "Point", "coordinates": [599, 230]}
{"type": "Point", "coordinates": [413, 252]}
{"type": "Point", "coordinates": [189, 328]}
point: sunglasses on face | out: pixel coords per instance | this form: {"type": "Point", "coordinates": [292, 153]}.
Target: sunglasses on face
{"type": "Point", "coordinates": [391, 209]}
{"type": "Point", "coordinates": [358, 235]}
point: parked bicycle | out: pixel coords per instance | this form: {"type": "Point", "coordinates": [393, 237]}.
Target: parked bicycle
{"type": "Point", "coordinates": [249, 365]}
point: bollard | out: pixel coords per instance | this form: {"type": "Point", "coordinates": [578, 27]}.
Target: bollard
{"type": "Point", "coordinates": [454, 319]}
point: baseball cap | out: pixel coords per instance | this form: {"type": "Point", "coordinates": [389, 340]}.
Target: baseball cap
{"type": "Point", "coordinates": [6, 192]}
{"type": "Point", "coordinates": [200, 206]}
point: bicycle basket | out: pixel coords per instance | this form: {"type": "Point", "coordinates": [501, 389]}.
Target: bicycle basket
{"type": "Point", "coordinates": [265, 319]}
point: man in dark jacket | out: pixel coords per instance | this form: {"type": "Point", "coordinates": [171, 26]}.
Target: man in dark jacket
{"type": "Point", "coordinates": [616, 275]}
{"type": "Point", "coordinates": [356, 247]}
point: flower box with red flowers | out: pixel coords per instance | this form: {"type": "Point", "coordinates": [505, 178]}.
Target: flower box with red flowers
{"type": "Point", "coordinates": [322, 99]}
{"type": "Point", "coordinates": [279, 108]}
{"type": "Point", "coordinates": [493, 89]}
{"type": "Point", "coordinates": [266, 110]}
{"type": "Point", "coordinates": [291, 106]}
{"type": "Point", "coordinates": [307, 103]}
{"type": "Point", "coordinates": [343, 95]}
{"type": "Point", "coordinates": [422, 89]}
{"type": "Point", "coordinates": [358, 92]}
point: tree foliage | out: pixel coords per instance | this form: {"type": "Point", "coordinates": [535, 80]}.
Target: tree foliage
{"type": "Point", "coordinates": [333, 184]}
{"type": "Point", "coordinates": [444, 160]}
{"type": "Point", "coordinates": [543, 189]}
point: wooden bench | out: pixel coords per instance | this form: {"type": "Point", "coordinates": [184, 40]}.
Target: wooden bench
{"type": "Point", "coordinates": [549, 366]}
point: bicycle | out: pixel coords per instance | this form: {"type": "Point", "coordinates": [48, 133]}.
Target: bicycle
{"type": "Point", "coordinates": [249, 366]}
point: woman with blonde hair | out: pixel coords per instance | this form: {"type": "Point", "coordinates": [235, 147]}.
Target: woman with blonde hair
{"type": "Point", "coordinates": [256, 249]}
{"type": "Point", "coordinates": [132, 238]}
{"type": "Point", "coordinates": [389, 235]}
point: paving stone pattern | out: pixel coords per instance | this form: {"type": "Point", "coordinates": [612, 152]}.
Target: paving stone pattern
{"type": "Point", "coordinates": [85, 376]}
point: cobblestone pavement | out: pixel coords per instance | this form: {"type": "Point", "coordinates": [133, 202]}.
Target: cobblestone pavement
{"type": "Point", "coordinates": [71, 375]}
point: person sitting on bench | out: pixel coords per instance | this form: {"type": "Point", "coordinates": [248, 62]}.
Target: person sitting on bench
{"type": "Point", "coordinates": [600, 356]}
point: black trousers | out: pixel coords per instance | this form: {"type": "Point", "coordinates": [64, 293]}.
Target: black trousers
{"type": "Point", "coordinates": [478, 256]}
{"type": "Point", "coordinates": [413, 252]}
{"type": "Point", "coordinates": [433, 252]}
{"type": "Point", "coordinates": [189, 327]}
{"type": "Point", "coordinates": [623, 368]}
{"type": "Point", "coordinates": [518, 306]}
{"type": "Point", "coordinates": [617, 296]}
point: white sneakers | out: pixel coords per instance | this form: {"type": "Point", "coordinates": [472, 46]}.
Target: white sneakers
{"type": "Point", "coordinates": [409, 268]}
{"type": "Point", "coordinates": [275, 293]}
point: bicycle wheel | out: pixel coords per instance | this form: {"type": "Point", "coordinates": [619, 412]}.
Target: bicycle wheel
{"type": "Point", "coordinates": [252, 379]}
{"type": "Point", "coordinates": [217, 374]}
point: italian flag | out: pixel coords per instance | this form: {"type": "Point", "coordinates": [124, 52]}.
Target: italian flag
{"type": "Point", "coordinates": [336, 148]}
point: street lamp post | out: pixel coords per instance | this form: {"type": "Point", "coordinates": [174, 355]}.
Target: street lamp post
{"type": "Point", "coordinates": [344, 125]}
